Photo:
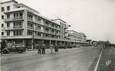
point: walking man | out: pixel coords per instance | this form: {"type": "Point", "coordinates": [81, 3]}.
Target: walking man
{"type": "Point", "coordinates": [39, 48]}
{"type": "Point", "coordinates": [51, 48]}
{"type": "Point", "coordinates": [43, 48]}
{"type": "Point", "coordinates": [56, 48]}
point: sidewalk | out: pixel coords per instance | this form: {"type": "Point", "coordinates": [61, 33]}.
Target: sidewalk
{"type": "Point", "coordinates": [33, 52]}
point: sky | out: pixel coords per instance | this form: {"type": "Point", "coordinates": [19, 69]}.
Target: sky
{"type": "Point", "coordinates": [95, 18]}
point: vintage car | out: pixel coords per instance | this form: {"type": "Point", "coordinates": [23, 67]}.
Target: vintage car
{"type": "Point", "coordinates": [15, 48]}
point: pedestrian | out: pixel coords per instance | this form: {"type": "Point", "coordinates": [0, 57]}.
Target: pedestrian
{"type": "Point", "coordinates": [56, 48]}
{"type": "Point", "coordinates": [39, 48]}
{"type": "Point", "coordinates": [51, 48]}
{"type": "Point", "coordinates": [43, 48]}
{"type": "Point", "coordinates": [3, 45]}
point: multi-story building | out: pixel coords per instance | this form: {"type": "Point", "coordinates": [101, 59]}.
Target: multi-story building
{"type": "Point", "coordinates": [76, 36]}
{"type": "Point", "coordinates": [63, 27]}
{"type": "Point", "coordinates": [24, 25]}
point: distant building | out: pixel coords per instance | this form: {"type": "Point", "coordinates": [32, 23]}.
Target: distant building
{"type": "Point", "coordinates": [76, 36]}
{"type": "Point", "coordinates": [63, 27]}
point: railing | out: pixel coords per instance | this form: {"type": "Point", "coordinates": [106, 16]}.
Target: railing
{"type": "Point", "coordinates": [30, 27]}
{"type": "Point", "coordinates": [30, 19]}
{"type": "Point", "coordinates": [17, 27]}
{"type": "Point", "coordinates": [38, 29]}
{"type": "Point", "coordinates": [50, 26]}
{"type": "Point", "coordinates": [14, 19]}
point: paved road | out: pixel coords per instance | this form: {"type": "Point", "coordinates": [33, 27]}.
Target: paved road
{"type": "Point", "coordinates": [76, 59]}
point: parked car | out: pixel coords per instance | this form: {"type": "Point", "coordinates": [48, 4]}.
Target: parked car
{"type": "Point", "coordinates": [15, 48]}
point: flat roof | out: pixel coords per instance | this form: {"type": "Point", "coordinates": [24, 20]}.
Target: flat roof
{"type": "Point", "coordinates": [9, 1]}
{"type": "Point", "coordinates": [21, 4]}
{"type": "Point", "coordinates": [18, 9]}
{"type": "Point", "coordinates": [58, 19]}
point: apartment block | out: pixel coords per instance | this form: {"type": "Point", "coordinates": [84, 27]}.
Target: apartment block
{"type": "Point", "coordinates": [24, 25]}
{"type": "Point", "coordinates": [63, 28]}
{"type": "Point", "coordinates": [76, 36]}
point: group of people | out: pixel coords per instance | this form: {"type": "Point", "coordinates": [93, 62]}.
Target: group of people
{"type": "Point", "coordinates": [42, 48]}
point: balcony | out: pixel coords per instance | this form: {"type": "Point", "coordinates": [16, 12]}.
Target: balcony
{"type": "Point", "coordinates": [38, 29]}
{"type": "Point", "coordinates": [30, 19]}
{"type": "Point", "coordinates": [14, 28]}
{"type": "Point", "coordinates": [8, 28]}
{"type": "Point", "coordinates": [30, 28]}
{"type": "Point", "coordinates": [48, 32]}
{"type": "Point", "coordinates": [14, 19]}
{"type": "Point", "coordinates": [48, 26]}
{"type": "Point", "coordinates": [17, 27]}
{"type": "Point", "coordinates": [36, 21]}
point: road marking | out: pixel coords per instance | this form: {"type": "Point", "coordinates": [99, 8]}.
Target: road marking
{"type": "Point", "coordinates": [98, 61]}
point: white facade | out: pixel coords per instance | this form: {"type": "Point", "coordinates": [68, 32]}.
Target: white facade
{"type": "Point", "coordinates": [29, 17]}
{"type": "Point", "coordinates": [22, 24]}
{"type": "Point", "coordinates": [4, 8]}
{"type": "Point", "coordinates": [63, 27]}
{"type": "Point", "coordinates": [76, 36]}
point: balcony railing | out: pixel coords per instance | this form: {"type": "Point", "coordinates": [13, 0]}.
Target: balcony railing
{"type": "Point", "coordinates": [38, 29]}
{"type": "Point", "coordinates": [14, 19]}
{"type": "Point", "coordinates": [30, 19]}
{"type": "Point", "coordinates": [39, 22]}
{"type": "Point", "coordinates": [17, 27]}
{"type": "Point", "coordinates": [13, 28]}
{"type": "Point", "coordinates": [29, 27]}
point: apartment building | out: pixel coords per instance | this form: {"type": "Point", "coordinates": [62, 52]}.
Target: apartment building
{"type": "Point", "coordinates": [63, 27]}
{"type": "Point", "coordinates": [76, 36]}
{"type": "Point", "coordinates": [24, 25]}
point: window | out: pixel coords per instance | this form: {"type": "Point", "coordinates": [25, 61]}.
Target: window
{"type": "Point", "coordinates": [18, 15]}
{"type": "Point", "coordinates": [2, 33]}
{"type": "Point", "coordinates": [38, 27]}
{"type": "Point", "coordinates": [52, 30]}
{"type": "Point", "coordinates": [29, 32]}
{"type": "Point", "coordinates": [17, 25]}
{"type": "Point", "coordinates": [17, 32]}
{"type": "Point", "coordinates": [30, 17]}
{"type": "Point", "coordinates": [2, 9]}
{"type": "Point", "coordinates": [46, 29]}
{"type": "Point", "coordinates": [2, 25]}
{"type": "Point", "coordinates": [15, 15]}
{"type": "Point", "coordinates": [21, 14]}
{"type": "Point", "coordinates": [30, 25]}
{"type": "Point", "coordinates": [2, 16]}
{"type": "Point", "coordinates": [8, 24]}
{"type": "Point", "coordinates": [39, 34]}
{"type": "Point", "coordinates": [39, 19]}
{"type": "Point", "coordinates": [8, 7]}
{"type": "Point", "coordinates": [47, 22]}
{"type": "Point", "coordinates": [52, 25]}
{"type": "Point", "coordinates": [18, 7]}
{"type": "Point", "coordinates": [8, 33]}
{"type": "Point", "coordinates": [8, 16]}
